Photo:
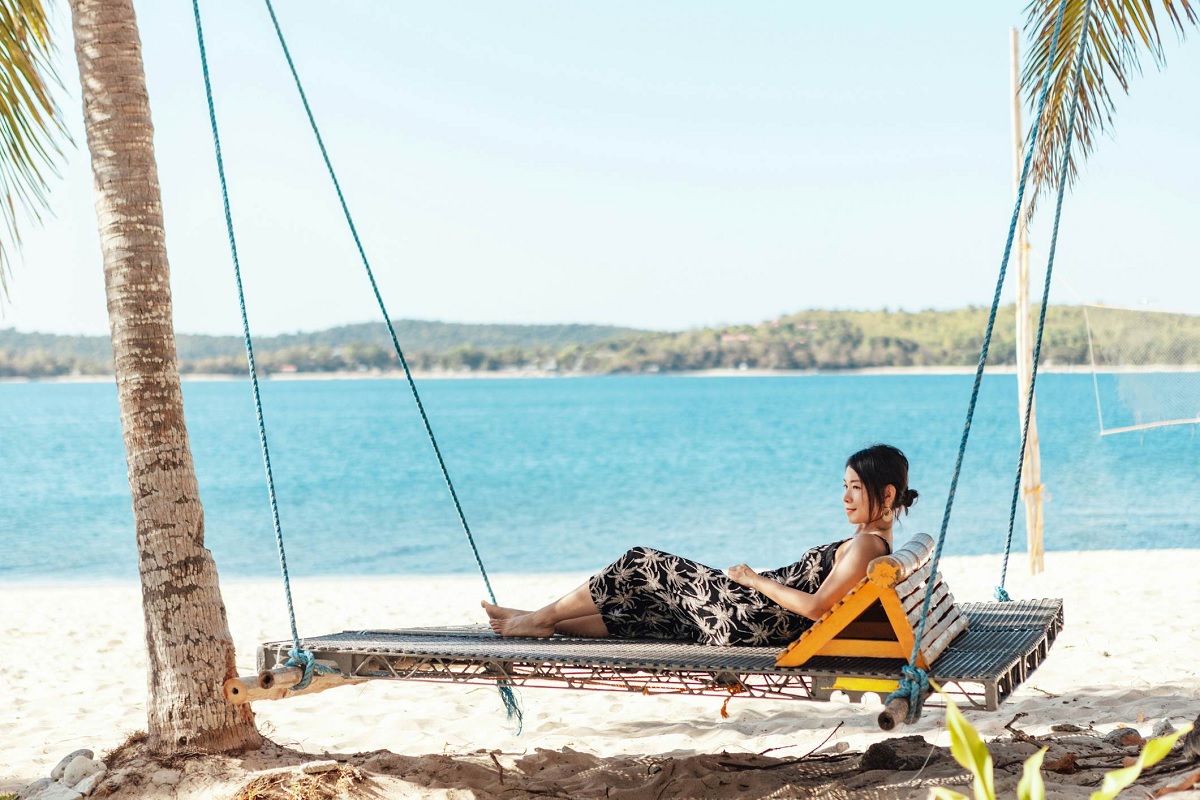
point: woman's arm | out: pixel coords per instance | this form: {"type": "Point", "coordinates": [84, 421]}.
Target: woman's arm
{"type": "Point", "coordinates": [850, 568]}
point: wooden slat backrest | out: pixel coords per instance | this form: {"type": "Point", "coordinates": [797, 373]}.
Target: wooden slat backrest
{"type": "Point", "coordinates": [887, 571]}
{"type": "Point", "coordinates": [879, 616]}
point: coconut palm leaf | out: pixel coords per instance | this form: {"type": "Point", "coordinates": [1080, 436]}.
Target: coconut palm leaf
{"type": "Point", "coordinates": [1119, 32]}
{"type": "Point", "coordinates": [31, 125]}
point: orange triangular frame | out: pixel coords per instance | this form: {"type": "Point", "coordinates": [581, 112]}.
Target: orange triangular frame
{"type": "Point", "coordinates": [839, 631]}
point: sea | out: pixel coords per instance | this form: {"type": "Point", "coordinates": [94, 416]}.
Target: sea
{"type": "Point", "coordinates": [564, 474]}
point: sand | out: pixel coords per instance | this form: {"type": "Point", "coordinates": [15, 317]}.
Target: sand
{"type": "Point", "coordinates": [75, 678]}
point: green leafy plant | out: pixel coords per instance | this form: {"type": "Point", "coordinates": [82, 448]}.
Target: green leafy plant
{"type": "Point", "coordinates": [971, 752]}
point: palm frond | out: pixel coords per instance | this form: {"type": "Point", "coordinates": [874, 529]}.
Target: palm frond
{"type": "Point", "coordinates": [31, 125]}
{"type": "Point", "coordinates": [1119, 32]}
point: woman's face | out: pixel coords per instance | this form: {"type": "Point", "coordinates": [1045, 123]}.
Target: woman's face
{"type": "Point", "coordinates": [855, 499]}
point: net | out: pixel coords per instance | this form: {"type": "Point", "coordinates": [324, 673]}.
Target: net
{"type": "Point", "coordinates": [1145, 367]}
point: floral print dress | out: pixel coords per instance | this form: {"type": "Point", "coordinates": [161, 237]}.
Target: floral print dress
{"type": "Point", "coordinates": [649, 594]}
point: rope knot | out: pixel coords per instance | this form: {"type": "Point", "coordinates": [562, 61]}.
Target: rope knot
{"type": "Point", "coordinates": [913, 687]}
{"type": "Point", "coordinates": [1001, 595]}
{"type": "Point", "coordinates": [299, 657]}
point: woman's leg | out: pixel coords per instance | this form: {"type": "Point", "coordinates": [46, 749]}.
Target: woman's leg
{"type": "Point", "coordinates": [636, 588]}
{"type": "Point", "coordinates": [500, 612]}
{"type": "Point", "coordinates": [591, 627]}
{"type": "Point", "coordinates": [543, 622]}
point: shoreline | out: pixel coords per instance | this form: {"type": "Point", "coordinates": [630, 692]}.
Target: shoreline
{"type": "Point", "coordinates": [527, 374]}
{"type": "Point", "coordinates": [981, 560]}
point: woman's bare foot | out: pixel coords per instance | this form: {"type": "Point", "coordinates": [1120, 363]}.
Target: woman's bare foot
{"type": "Point", "coordinates": [500, 612]}
{"type": "Point", "coordinates": [524, 626]}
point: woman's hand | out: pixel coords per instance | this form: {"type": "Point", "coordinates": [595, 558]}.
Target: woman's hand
{"type": "Point", "coordinates": [742, 574]}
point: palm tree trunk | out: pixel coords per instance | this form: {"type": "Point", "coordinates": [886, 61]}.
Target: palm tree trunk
{"type": "Point", "coordinates": [187, 634]}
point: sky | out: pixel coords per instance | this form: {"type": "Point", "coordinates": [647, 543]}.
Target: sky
{"type": "Point", "coordinates": [669, 165]}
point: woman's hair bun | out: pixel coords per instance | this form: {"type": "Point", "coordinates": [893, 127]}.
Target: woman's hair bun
{"type": "Point", "coordinates": [910, 497]}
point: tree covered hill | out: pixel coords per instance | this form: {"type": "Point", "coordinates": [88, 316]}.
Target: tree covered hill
{"type": "Point", "coordinates": [807, 340]}
{"type": "Point", "coordinates": [43, 355]}
{"type": "Point", "coordinates": [837, 340]}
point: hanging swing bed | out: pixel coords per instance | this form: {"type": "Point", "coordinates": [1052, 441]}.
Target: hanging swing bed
{"type": "Point", "coordinates": [899, 627]}
{"type": "Point", "coordinates": [978, 651]}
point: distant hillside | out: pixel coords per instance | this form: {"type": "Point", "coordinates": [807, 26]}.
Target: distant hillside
{"type": "Point", "coordinates": [415, 336]}
{"type": "Point", "coordinates": [44, 355]}
{"type": "Point", "coordinates": [808, 340]}
{"type": "Point", "coordinates": [838, 340]}
{"type": "Point", "coordinates": [835, 340]}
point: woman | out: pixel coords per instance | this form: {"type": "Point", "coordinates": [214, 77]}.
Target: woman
{"type": "Point", "coordinates": [650, 594]}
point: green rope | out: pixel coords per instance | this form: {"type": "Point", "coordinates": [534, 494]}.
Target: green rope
{"type": "Point", "coordinates": [1001, 594]}
{"type": "Point", "coordinates": [511, 704]}
{"type": "Point", "coordinates": [914, 685]}
{"type": "Point", "coordinates": [298, 655]}
{"type": "Point", "coordinates": [379, 300]}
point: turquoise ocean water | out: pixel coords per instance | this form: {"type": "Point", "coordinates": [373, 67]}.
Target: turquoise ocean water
{"type": "Point", "coordinates": [564, 474]}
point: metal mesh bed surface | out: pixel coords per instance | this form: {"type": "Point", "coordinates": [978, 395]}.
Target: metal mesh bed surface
{"type": "Point", "coordinates": [1003, 644]}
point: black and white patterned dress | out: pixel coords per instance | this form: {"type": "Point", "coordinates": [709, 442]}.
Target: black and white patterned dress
{"type": "Point", "coordinates": [649, 594]}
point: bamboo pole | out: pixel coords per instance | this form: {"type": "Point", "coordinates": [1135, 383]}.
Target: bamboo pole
{"type": "Point", "coordinates": [1031, 472]}
{"type": "Point", "coordinates": [246, 690]}
{"type": "Point", "coordinates": [895, 712]}
{"type": "Point", "coordinates": [281, 676]}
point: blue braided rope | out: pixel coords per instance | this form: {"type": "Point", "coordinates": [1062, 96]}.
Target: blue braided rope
{"type": "Point", "coordinates": [914, 685]}
{"type": "Point", "coordinates": [299, 656]}
{"type": "Point", "coordinates": [1001, 594]}
{"type": "Point", "coordinates": [379, 299]}
{"type": "Point", "coordinates": [511, 704]}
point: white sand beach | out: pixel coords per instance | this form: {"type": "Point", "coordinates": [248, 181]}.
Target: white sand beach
{"type": "Point", "coordinates": [75, 678]}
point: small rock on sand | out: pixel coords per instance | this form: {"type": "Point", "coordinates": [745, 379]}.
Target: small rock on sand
{"type": "Point", "coordinates": [900, 753]}
{"type": "Point", "coordinates": [81, 767]}
{"type": "Point", "coordinates": [32, 789]}
{"type": "Point", "coordinates": [61, 767]}
{"type": "Point", "coordinates": [1124, 737]}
